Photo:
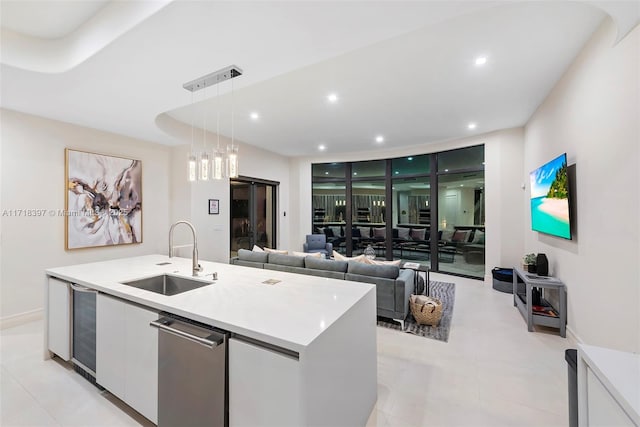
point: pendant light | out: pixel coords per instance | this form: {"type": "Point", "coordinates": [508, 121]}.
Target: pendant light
{"type": "Point", "coordinates": [205, 167]}
{"type": "Point", "coordinates": [204, 156]}
{"type": "Point", "coordinates": [217, 165]}
{"type": "Point", "coordinates": [232, 151]}
{"type": "Point", "coordinates": [192, 165]}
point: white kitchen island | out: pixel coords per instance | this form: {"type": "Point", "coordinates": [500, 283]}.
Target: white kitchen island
{"type": "Point", "coordinates": [326, 329]}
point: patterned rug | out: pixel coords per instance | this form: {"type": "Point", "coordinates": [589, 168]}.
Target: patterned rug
{"type": "Point", "coordinates": [443, 291]}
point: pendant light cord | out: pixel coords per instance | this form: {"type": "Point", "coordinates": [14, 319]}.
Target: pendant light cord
{"type": "Point", "coordinates": [218, 115]}
{"type": "Point", "coordinates": [232, 115]}
{"type": "Point", "coordinates": [193, 119]}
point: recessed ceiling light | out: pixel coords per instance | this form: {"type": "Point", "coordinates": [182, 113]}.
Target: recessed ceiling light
{"type": "Point", "coordinates": [355, 173]}
{"type": "Point", "coordinates": [409, 158]}
{"type": "Point", "coordinates": [322, 147]}
{"type": "Point", "coordinates": [254, 116]}
{"type": "Point", "coordinates": [379, 139]}
{"type": "Point", "coordinates": [332, 97]}
{"type": "Point", "coordinates": [446, 170]}
{"type": "Point", "coordinates": [481, 60]}
{"type": "Point", "coordinates": [461, 185]}
{"type": "Point", "coordinates": [326, 173]}
{"type": "Point", "coordinates": [397, 172]}
{"type": "Point", "coordinates": [472, 125]}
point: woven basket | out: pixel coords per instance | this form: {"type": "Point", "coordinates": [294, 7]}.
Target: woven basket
{"type": "Point", "coordinates": [426, 310]}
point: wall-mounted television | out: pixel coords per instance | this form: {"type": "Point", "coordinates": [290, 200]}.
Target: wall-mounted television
{"type": "Point", "coordinates": [550, 198]}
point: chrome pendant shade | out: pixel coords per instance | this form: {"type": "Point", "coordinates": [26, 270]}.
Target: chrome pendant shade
{"type": "Point", "coordinates": [204, 166]}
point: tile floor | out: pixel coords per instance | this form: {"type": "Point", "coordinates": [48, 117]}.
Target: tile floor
{"type": "Point", "coordinates": [492, 372]}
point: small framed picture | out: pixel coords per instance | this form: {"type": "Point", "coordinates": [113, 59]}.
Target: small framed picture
{"type": "Point", "coordinates": [214, 206]}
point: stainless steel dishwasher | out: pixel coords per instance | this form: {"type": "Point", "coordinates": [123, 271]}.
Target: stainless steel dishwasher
{"type": "Point", "coordinates": [192, 374]}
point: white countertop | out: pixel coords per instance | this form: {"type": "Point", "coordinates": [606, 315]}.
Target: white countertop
{"type": "Point", "coordinates": [620, 373]}
{"type": "Point", "coordinates": [290, 314]}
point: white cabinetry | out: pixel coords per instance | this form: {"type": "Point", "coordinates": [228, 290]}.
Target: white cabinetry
{"type": "Point", "coordinates": [127, 353]}
{"type": "Point", "coordinates": [262, 383]}
{"type": "Point", "coordinates": [59, 317]}
{"type": "Point", "coordinates": [608, 387]}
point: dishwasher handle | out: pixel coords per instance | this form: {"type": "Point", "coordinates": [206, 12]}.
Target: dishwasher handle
{"type": "Point", "coordinates": [164, 324]}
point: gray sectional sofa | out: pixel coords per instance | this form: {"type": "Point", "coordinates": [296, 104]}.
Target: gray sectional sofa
{"type": "Point", "coordinates": [393, 285]}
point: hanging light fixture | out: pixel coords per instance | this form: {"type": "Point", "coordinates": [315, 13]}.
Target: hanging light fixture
{"type": "Point", "coordinates": [192, 166]}
{"type": "Point", "coordinates": [204, 156]}
{"type": "Point", "coordinates": [218, 160]}
{"type": "Point", "coordinates": [232, 152]}
{"type": "Point", "coordinates": [204, 167]}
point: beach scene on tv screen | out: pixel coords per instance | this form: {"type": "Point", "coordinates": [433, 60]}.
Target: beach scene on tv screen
{"type": "Point", "coordinates": [550, 198]}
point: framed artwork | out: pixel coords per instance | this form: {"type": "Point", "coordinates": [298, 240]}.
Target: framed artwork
{"type": "Point", "coordinates": [214, 206]}
{"type": "Point", "coordinates": [103, 200]}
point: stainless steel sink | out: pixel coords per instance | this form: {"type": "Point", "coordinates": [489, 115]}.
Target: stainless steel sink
{"type": "Point", "coordinates": [166, 284]}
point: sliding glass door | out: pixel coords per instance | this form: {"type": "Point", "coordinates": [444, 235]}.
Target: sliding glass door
{"type": "Point", "coordinates": [253, 214]}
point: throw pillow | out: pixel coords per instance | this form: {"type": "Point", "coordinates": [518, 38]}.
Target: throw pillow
{"type": "Point", "coordinates": [337, 231]}
{"type": "Point", "coordinates": [355, 232]}
{"type": "Point", "coordinates": [446, 235]}
{"type": "Point", "coordinates": [417, 233]}
{"type": "Point", "coordinates": [328, 232]}
{"type": "Point", "coordinates": [275, 251]}
{"type": "Point", "coordinates": [478, 238]}
{"type": "Point", "coordinates": [379, 232]}
{"type": "Point", "coordinates": [340, 257]}
{"type": "Point", "coordinates": [257, 248]}
{"type": "Point", "coordinates": [365, 232]}
{"type": "Point", "coordinates": [460, 236]}
{"type": "Point", "coordinates": [305, 254]}
{"type": "Point", "coordinates": [403, 233]}
{"type": "Point", "coordinates": [396, 262]}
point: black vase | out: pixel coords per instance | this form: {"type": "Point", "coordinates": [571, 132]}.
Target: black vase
{"type": "Point", "coordinates": [531, 268]}
{"type": "Point", "coordinates": [542, 265]}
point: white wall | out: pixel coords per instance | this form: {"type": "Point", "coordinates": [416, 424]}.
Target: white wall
{"type": "Point", "coordinates": [593, 115]}
{"type": "Point", "coordinates": [190, 200]}
{"type": "Point", "coordinates": [32, 177]}
{"type": "Point", "coordinates": [504, 197]}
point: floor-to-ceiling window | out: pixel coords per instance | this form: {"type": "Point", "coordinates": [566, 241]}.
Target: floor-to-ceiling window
{"type": "Point", "coordinates": [329, 203]}
{"type": "Point", "coordinates": [461, 211]}
{"type": "Point", "coordinates": [411, 208]}
{"type": "Point", "coordinates": [427, 208]}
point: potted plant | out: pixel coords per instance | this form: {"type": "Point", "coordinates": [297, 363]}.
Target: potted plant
{"type": "Point", "coordinates": [529, 261]}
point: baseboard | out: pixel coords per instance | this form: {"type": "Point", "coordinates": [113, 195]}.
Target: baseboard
{"type": "Point", "coordinates": [573, 338]}
{"type": "Point", "coordinates": [21, 318]}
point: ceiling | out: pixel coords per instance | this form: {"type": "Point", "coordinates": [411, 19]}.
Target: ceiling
{"type": "Point", "coordinates": [403, 70]}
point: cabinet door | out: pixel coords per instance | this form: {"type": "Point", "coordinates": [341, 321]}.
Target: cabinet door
{"type": "Point", "coordinates": [263, 387]}
{"type": "Point", "coordinates": [59, 318]}
{"type": "Point", "coordinates": [603, 410]}
{"type": "Point", "coordinates": [110, 344]}
{"type": "Point", "coordinates": [141, 367]}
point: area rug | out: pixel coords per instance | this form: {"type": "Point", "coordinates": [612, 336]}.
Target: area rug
{"type": "Point", "coordinates": [443, 291]}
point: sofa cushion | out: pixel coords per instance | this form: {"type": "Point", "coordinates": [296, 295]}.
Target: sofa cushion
{"type": "Point", "coordinates": [379, 232]}
{"type": "Point", "coordinates": [275, 251]}
{"type": "Point", "coordinates": [337, 230]}
{"type": "Point", "coordinates": [461, 236]}
{"type": "Point", "coordinates": [247, 255]}
{"type": "Point", "coordinates": [326, 264]}
{"type": "Point", "coordinates": [365, 232]}
{"type": "Point", "coordinates": [288, 260]}
{"type": "Point", "coordinates": [382, 271]}
{"type": "Point", "coordinates": [478, 238]}
{"type": "Point", "coordinates": [375, 262]}
{"type": "Point", "coordinates": [338, 256]}
{"type": "Point", "coordinates": [309, 254]}
{"type": "Point", "coordinates": [403, 233]}
{"type": "Point", "coordinates": [418, 233]}
{"type": "Point", "coordinates": [446, 235]}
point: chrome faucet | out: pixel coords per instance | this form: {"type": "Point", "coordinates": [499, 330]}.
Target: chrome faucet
{"type": "Point", "coordinates": [195, 265]}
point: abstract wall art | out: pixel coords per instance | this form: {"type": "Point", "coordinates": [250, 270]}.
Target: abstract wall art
{"type": "Point", "coordinates": [103, 200]}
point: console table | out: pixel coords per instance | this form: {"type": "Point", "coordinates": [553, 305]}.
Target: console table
{"type": "Point", "coordinates": [548, 315]}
